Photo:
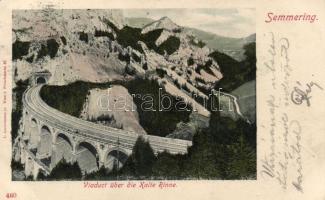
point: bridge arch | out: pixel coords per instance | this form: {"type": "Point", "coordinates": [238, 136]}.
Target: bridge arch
{"type": "Point", "coordinates": [33, 122]}
{"type": "Point", "coordinates": [63, 148]}
{"type": "Point", "coordinates": [63, 137]}
{"type": "Point", "coordinates": [115, 158]}
{"type": "Point", "coordinates": [45, 129]}
{"type": "Point", "coordinates": [87, 156]}
{"type": "Point", "coordinates": [45, 144]}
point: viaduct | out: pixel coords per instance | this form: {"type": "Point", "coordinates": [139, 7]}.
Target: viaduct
{"type": "Point", "coordinates": [47, 135]}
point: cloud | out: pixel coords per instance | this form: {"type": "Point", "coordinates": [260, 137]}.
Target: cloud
{"type": "Point", "coordinates": [246, 13]}
{"type": "Point", "coordinates": [195, 19]}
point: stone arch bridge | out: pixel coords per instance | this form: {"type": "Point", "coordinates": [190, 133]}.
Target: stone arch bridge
{"type": "Point", "coordinates": [48, 135]}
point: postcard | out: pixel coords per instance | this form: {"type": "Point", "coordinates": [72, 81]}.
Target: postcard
{"type": "Point", "coordinates": [162, 99]}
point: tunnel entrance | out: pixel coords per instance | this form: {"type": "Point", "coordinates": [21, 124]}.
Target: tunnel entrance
{"type": "Point", "coordinates": [41, 77]}
{"type": "Point", "coordinates": [40, 80]}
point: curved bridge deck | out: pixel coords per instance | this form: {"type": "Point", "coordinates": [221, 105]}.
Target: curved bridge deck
{"type": "Point", "coordinates": [104, 134]}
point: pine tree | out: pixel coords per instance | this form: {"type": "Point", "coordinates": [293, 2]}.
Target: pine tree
{"type": "Point", "coordinates": [65, 171]}
{"type": "Point", "coordinates": [142, 158]}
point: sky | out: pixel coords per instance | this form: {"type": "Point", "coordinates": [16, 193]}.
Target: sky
{"type": "Point", "coordinates": [225, 22]}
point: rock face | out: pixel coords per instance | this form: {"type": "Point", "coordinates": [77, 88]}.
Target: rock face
{"type": "Point", "coordinates": [64, 42]}
{"type": "Point", "coordinates": [113, 107]}
{"type": "Point", "coordinates": [94, 45]}
{"type": "Point", "coordinates": [186, 131]}
{"type": "Point", "coordinates": [97, 46]}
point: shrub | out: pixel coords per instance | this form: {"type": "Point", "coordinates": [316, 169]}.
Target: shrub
{"type": "Point", "coordinates": [51, 49]}
{"type": "Point", "coordinates": [185, 87]}
{"type": "Point", "coordinates": [129, 70]}
{"type": "Point", "coordinates": [190, 61]}
{"type": "Point", "coordinates": [64, 41]}
{"type": "Point", "coordinates": [83, 37]}
{"type": "Point", "coordinates": [135, 57]}
{"type": "Point", "coordinates": [205, 67]}
{"type": "Point", "coordinates": [99, 33]}
{"type": "Point", "coordinates": [200, 80]}
{"type": "Point", "coordinates": [161, 73]}
{"type": "Point", "coordinates": [110, 24]}
{"type": "Point", "coordinates": [177, 84]}
{"type": "Point", "coordinates": [30, 59]}
{"type": "Point", "coordinates": [129, 36]}
{"type": "Point", "coordinates": [145, 66]}
{"type": "Point", "coordinates": [170, 45]}
{"type": "Point", "coordinates": [150, 38]}
{"type": "Point", "coordinates": [65, 171]}
{"type": "Point", "coordinates": [19, 49]}
{"type": "Point", "coordinates": [16, 165]}
{"type": "Point", "coordinates": [16, 113]}
{"type": "Point", "coordinates": [200, 43]}
{"type": "Point", "coordinates": [125, 58]}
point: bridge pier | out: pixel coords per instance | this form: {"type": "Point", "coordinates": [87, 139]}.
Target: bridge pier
{"type": "Point", "coordinates": [34, 133]}
{"type": "Point", "coordinates": [29, 166]}
{"type": "Point", "coordinates": [22, 156]}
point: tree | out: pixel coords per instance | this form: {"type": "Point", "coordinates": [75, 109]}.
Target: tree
{"type": "Point", "coordinates": [236, 73]}
{"type": "Point", "coordinates": [243, 161]}
{"type": "Point", "coordinates": [101, 174]}
{"type": "Point", "coordinates": [201, 160]}
{"type": "Point", "coordinates": [16, 165]}
{"type": "Point", "coordinates": [167, 165]}
{"type": "Point", "coordinates": [65, 171]}
{"type": "Point", "coordinates": [141, 161]}
{"type": "Point", "coordinates": [235, 146]}
{"type": "Point", "coordinates": [29, 178]}
{"type": "Point", "coordinates": [41, 176]}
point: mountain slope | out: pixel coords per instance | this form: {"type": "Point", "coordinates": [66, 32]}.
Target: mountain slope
{"type": "Point", "coordinates": [97, 46]}
{"type": "Point", "coordinates": [246, 95]}
{"type": "Point", "coordinates": [230, 46]}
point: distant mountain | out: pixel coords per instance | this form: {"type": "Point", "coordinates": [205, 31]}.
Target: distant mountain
{"type": "Point", "coordinates": [163, 23]}
{"type": "Point", "coordinates": [138, 22]}
{"type": "Point", "coordinates": [250, 38]}
{"type": "Point", "coordinates": [230, 46]}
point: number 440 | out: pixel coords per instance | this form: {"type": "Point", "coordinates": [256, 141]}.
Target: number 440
{"type": "Point", "coordinates": [11, 195]}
